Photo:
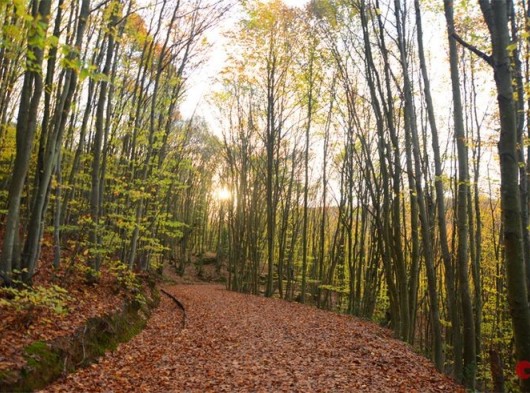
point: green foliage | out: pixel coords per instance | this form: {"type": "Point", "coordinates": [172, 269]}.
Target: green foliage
{"type": "Point", "coordinates": [334, 288]}
{"type": "Point", "coordinates": [20, 9]}
{"type": "Point", "coordinates": [25, 298]}
{"type": "Point", "coordinates": [171, 228]}
{"type": "Point", "coordinates": [326, 10]}
{"type": "Point", "coordinates": [128, 281]}
{"type": "Point", "coordinates": [89, 271]}
{"type": "Point", "coordinates": [382, 306]}
{"type": "Point", "coordinates": [12, 32]}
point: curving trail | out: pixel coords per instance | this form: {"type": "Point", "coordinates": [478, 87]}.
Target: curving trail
{"type": "Point", "coordinates": [241, 343]}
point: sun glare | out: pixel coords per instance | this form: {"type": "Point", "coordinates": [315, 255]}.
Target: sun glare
{"type": "Point", "coordinates": [223, 194]}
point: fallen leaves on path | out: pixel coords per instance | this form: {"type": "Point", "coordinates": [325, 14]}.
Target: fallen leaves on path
{"type": "Point", "coordinates": [241, 343]}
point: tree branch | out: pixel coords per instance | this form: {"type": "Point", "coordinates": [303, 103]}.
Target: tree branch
{"type": "Point", "coordinates": [487, 58]}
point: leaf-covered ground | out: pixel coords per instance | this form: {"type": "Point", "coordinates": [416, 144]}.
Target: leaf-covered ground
{"type": "Point", "coordinates": [20, 328]}
{"type": "Point", "coordinates": [235, 342]}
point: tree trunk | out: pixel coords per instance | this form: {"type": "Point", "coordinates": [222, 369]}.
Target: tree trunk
{"type": "Point", "coordinates": [469, 369]}
{"type": "Point", "coordinates": [25, 134]}
{"type": "Point", "coordinates": [495, 14]}
{"type": "Point", "coordinates": [52, 151]}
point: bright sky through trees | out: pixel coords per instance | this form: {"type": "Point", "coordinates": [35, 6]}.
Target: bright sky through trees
{"type": "Point", "coordinates": [201, 84]}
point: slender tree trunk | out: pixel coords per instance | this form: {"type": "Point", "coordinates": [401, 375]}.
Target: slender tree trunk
{"type": "Point", "coordinates": [454, 331]}
{"type": "Point", "coordinates": [416, 182]}
{"type": "Point", "coordinates": [52, 152]}
{"type": "Point", "coordinates": [270, 144]}
{"type": "Point", "coordinates": [95, 194]}
{"type": "Point", "coordinates": [495, 13]}
{"type": "Point", "coordinates": [305, 244]}
{"type": "Point", "coordinates": [469, 368]}
{"type": "Point", "coordinates": [25, 134]}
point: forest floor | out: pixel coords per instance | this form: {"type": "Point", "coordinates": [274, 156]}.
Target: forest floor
{"type": "Point", "coordinates": [47, 313]}
{"type": "Point", "coordinates": [229, 342]}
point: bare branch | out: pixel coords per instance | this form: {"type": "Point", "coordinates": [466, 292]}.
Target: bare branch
{"type": "Point", "coordinates": [487, 58]}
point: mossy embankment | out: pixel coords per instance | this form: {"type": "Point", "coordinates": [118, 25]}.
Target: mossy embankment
{"type": "Point", "coordinates": [48, 360]}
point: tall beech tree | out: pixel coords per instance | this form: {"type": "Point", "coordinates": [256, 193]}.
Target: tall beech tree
{"type": "Point", "coordinates": [496, 17]}
{"type": "Point", "coordinates": [54, 143]}
{"type": "Point", "coordinates": [416, 175]}
{"type": "Point", "coordinates": [33, 84]}
{"type": "Point", "coordinates": [454, 332]}
{"type": "Point", "coordinates": [469, 366]}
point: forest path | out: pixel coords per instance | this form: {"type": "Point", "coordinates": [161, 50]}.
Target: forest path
{"type": "Point", "coordinates": [242, 343]}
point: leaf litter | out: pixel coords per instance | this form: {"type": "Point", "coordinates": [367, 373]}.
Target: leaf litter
{"type": "Point", "coordinates": [234, 342]}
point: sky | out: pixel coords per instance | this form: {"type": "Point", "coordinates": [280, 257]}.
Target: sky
{"type": "Point", "coordinates": [201, 82]}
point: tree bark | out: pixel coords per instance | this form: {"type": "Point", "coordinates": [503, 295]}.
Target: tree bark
{"type": "Point", "coordinates": [25, 134]}
{"type": "Point", "coordinates": [469, 367]}
{"type": "Point", "coordinates": [495, 13]}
